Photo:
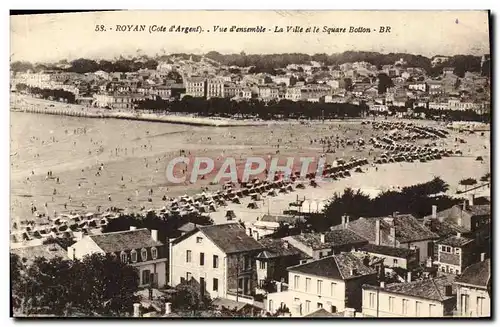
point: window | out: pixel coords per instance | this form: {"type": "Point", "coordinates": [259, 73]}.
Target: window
{"type": "Point", "coordinates": [188, 276]}
{"type": "Point", "coordinates": [124, 257]}
{"type": "Point", "coordinates": [395, 262]}
{"type": "Point", "coordinates": [391, 304]}
{"type": "Point", "coordinates": [188, 255]}
{"type": "Point", "coordinates": [320, 283]}
{"type": "Point", "coordinates": [320, 305]}
{"type": "Point", "coordinates": [332, 289]}
{"type": "Point", "coordinates": [295, 282]}
{"type": "Point", "coordinates": [133, 256]}
{"type": "Point", "coordinates": [146, 274]}
{"type": "Point", "coordinates": [371, 302]}
{"type": "Point", "coordinates": [333, 309]}
{"type": "Point", "coordinates": [144, 254]}
{"type": "Point", "coordinates": [183, 280]}
{"type": "Point", "coordinates": [216, 284]}
{"type": "Point", "coordinates": [418, 308]}
{"type": "Point", "coordinates": [308, 284]}
{"type": "Point", "coordinates": [262, 265]}
{"type": "Point", "coordinates": [464, 304]}
{"type": "Point", "coordinates": [432, 310]}
{"type": "Point", "coordinates": [154, 253]}
{"type": "Point", "coordinates": [480, 305]}
{"type": "Point", "coordinates": [215, 261]}
{"type": "Point", "coordinates": [270, 305]}
{"type": "Point", "coordinates": [202, 259]}
{"type": "Point", "coordinates": [405, 306]}
{"type": "Point", "coordinates": [308, 306]}
{"type": "Point", "coordinates": [457, 250]}
{"type": "Point", "coordinates": [247, 263]}
{"type": "Point", "coordinates": [199, 239]}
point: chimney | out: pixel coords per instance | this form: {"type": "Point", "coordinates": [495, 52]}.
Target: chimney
{"type": "Point", "coordinates": [464, 205]}
{"type": "Point", "coordinates": [409, 277]}
{"type": "Point", "coordinates": [249, 231]}
{"type": "Point", "coordinates": [459, 234]}
{"type": "Point", "coordinates": [448, 290]}
{"type": "Point", "coordinates": [353, 271]}
{"type": "Point", "coordinates": [429, 262]}
{"type": "Point", "coordinates": [482, 256]}
{"type": "Point", "coordinates": [395, 214]}
{"type": "Point", "coordinates": [285, 244]}
{"type": "Point", "coordinates": [322, 237]}
{"type": "Point", "coordinates": [382, 284]}
{"type": "Point", "coordinates": [154, 235]}
{"type": "Point", "coordinates": [434, 211]}
{"type": "Point", "coordinates": [279, 286]}
{"type": "Point", "coordinates": [137, 310]}
{"type": "Point", "coordinates": [133, 228]}
{"type": "Point", "coordinates": [346, 221]}
{"type": "Point", "coordinates": [471, 199]}
{"type": "Point", "coordinates": [343, 221]}
{"type": "Point", "coordinates": [377, 232]}
{"type": "Point", "coordinates": [168, 308]}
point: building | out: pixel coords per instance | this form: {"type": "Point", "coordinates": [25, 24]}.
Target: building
{"type": "Point", "coordinates": [393, 257]}
{"type": "Point", "coordinates": [431, 297]}
{"type": "Point", "coordinates": [221, 258]}
{"type": "Point", "coordinates": [333, 283]}
{"type": "Point", "coordinates": [196, 87]}
{"type": "Point", "coordinates": [138, 247]}
{"type": "Point", "coordinates": [455, 253]}
{"type": "Point", "coordinates": [268, 92]}
{"type": "Point", "coordinates": [268, 224]}
{"type": "Point", "coordinates": [318, 245]}
{"type": "Point", "coordinates": [418, 86]}
{"type": "Point", "coordinates": [272, 263]}
{"type": "Point", "coordinates": [28, 254]}
{"type": "Point", "coordinates": [117, 101]}
{"type": "Point", "coordinates": [474, 290]}
{"type": "Point", "coordinates": [215, 88]}
{"type": "Point", "coordinates": [401, 231]}
{"type": "Point", "coordinates": [468, 215]}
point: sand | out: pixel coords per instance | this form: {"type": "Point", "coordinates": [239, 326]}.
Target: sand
{"type": "Point", "coordinates": [74, 149]}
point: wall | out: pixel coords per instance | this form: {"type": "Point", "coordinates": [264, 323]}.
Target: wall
{"type": "Point", "coordinates": [179, 266]}
{"type": "Point", "coordinates": [353, 290]}
{"type": "Point", "coordinates": [473, 293]}
{"type": "Point", "coordinates": [423, 247]}
{"type": "Point", "coordinates": [85, 246]}
{"type": "Point", "coordinates": [157, 266]}
{"type": "Point", "coordinates": [397, 310]}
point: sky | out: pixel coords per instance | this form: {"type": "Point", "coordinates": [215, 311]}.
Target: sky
{"type": "Point", "coordinates": [52, 37]}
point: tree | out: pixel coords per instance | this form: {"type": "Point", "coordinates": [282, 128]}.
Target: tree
{"type": "Point", "coordinates": [468, 182]}
{"type": "Point", "coordinates": [96, 286]}
{"type": "Point", "coordinates": [188, 296]}
{"type": "Point", "coordinates": [486, 177]}
{"type": "Point", "coordinates": [384, 82]}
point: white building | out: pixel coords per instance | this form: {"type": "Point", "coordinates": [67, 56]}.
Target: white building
{"type": "Point", "coordinates": [333, 283]}
{"type": "Point", "coordinates": [220, 258]}
{"type": "Point", "coordinates": [432, 297]}
{"type": "Point", "coordinates": [138, 247]}
{"type": "Point", "coordinates": [474, 289]}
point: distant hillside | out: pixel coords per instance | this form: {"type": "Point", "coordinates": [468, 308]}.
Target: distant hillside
{"type": "Point", "coordinates": [262, 62]}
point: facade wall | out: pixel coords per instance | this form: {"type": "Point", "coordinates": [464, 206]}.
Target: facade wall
{"type": "Point", "coordinates": [181, 269]}
{"type": "Point", "coordinates": [156, 267]}
{"type": "Point", "coordinates": [302, 301]}
{"type": "Point", "coordinates": [85, 246]}
{"type": "Point", "coordinates": [473, 302]}
{"type": "Point", "coordinates": [384, 304]}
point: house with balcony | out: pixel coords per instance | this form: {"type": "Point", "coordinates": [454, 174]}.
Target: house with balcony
{"type": "Point", "coordinates": [430, 297]}
{"type": "Point", "coordinates": [474, 290]}
{"type": "Point", "coordinates": [220, 258]}
{"type": "Point", "coordinates": [269, 224]}
{"type": "Point", "coordinates": [138, 247]}
{"type": "Point", "coordinates": [455, 253]}
{"type": "Point", "coordinates": [332, 283]}
{"type": "Point", "coordinates": [319, 245]}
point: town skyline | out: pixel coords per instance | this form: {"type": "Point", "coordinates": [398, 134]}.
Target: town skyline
{"type": "Point", "coordinates": [54, 35]}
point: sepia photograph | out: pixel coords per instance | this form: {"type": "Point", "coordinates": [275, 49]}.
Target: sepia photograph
{"type": "Point", "coordinates": [250, 164]}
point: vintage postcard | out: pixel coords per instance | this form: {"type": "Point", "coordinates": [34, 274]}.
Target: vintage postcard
{"type": "Point", "coordinates": [211, 164]}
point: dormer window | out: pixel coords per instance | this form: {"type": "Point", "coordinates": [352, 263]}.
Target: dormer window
{"type": "Point", "coordinates": [133, 256]}
{"type": "Point", "coordinates": [154, 253]}
{"type": "Point", "coordinates": [124, 257]}
{"type": "Point", "coordinates": [144, 254]}
{"type": "Point", "coordinates": [199, 239]}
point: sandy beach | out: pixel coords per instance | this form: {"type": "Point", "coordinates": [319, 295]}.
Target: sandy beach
{"type": "Point", "coordinates": [134, 156]}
